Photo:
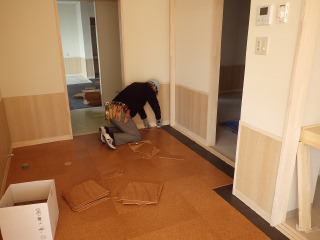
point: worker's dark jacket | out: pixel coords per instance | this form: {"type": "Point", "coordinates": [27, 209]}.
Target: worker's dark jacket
{"type": "Point", "coordinates": [136, 95]}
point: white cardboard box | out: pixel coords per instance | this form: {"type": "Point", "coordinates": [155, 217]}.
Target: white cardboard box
{"type": "Point", "coordinates": [31, 221]}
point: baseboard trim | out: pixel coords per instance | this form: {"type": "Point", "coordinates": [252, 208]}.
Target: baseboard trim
{"type": "Point", "coordinates": [199, 149]}
{"type": "Point", "coordinates": [252, 205]}
{"type": "Point", "coordinates": [289, 232]}
{"type": "Point", "coordinates": [190, 134]}
{"type": "Point", "coordinates": [221, 156]}
{"type": "Point", "coordinates": [202, 143]}
{"type": "Point", "coordinates": [226, 193]}
{"type": "Point", "coordinates": [41, 141]}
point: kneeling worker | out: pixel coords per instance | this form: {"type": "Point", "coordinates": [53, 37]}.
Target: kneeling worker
{"type": "Point", "coordinates": [126, 105]}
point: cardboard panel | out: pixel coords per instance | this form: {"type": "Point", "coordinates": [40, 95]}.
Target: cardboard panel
{"type": "Point", "coordinates": [29, 220]}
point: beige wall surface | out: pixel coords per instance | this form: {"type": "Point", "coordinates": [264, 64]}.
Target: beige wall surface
{"type": "Point", "coordinates": [267, 78]}
{"type": "Point", "coordinates": [108, 39]}
{"type": "Point", "coordinates": [145, 39]}
{"type": "Point", "coordinates": [32, 82]}
{"type": "Point", "coordinates": [312, 107]}
{"type": "Point", "coordinates": [194, 27]}
{"type": "Point", "coordinates": [29, 46]}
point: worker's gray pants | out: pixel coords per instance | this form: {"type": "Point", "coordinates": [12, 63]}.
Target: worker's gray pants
{"type": "Point", "coordinates": [124, 132]}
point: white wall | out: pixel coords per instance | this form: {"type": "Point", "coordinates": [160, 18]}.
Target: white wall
{"type": "Point", "coordinates": [145, 39]}
{"type": "Point", "coordinates": [80, 30]}
{"type": "Point", "coordinates": [194, 38]}
{"type": "Point", "coordinates": [71, 29]}
{"type": "Point", "coordinates": [267, 78]}
{"type": "Point", "coordinates": [87, 11]}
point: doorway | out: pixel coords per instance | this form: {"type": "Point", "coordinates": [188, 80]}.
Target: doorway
{"type": "Point", "coordinates": [87, 63]}
{"type": "Point", "coordinates": [232, 67]}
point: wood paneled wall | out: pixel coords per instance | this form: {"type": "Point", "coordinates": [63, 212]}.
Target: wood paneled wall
{"type": "Point", "coordinates": [256, 169]}
{"type": "Point", "coordinates": [231, 78]}
{"type": "Point", "coordinates": [75, 65]}
{"type": "Point", "coordinates": [5, 147]}
{"type": "Point", "coordinates": [191, 110]}
{"type": "Point", "coordinates": [90, 68]}
{"type": "Point", "coordinates": [38, 119]}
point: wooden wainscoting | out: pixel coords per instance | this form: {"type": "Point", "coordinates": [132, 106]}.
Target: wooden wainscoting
{"type": "Point", "coordinates": [38, 119]}
{"type": "Point", "coordinates": [231, 78]}
{"type": "Point", "coordinates": [191, 110]}
{"type": "Point", "coordinates": [75, 65]}
{"type": "Point", "coordinates": [5, 147]}
{"type": "Point", "coordinates": [90, 68]}
{"type": "Point", "coordinates": [256, 169]}
{"type": "Point", "coordinates": [163, 99]}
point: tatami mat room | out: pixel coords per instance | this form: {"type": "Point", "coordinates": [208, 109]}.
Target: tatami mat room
{"type": "Point", "coordinates": [195, 202]}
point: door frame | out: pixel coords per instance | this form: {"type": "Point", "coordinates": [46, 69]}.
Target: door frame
{"type": "Point", "coordinates": [217, 12]}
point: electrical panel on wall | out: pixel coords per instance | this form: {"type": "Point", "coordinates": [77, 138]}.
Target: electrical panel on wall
{"type": "Point", "coordinates": [264, 15]}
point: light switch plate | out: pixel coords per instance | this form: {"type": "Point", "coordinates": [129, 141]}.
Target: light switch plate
{"type": "Point", "coordinates": [261, 46]}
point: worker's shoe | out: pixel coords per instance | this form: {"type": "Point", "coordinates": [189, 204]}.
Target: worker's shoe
{"type": "Point", "coordinates": [109, 141]}
{"type": "Point", "coordinates": [102, 132]}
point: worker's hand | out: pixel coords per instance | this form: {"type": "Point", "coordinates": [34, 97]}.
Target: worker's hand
{"type": "Point", "coordinates": [159, 123]}
{"type": "Point", "coordinates": [146, 123]}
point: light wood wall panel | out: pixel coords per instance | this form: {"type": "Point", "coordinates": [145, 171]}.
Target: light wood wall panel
{"type": "Point", "coordinates": [37, 119]}
{"type": "Point", "coordinates": [256, 169]}
{"type": "Point", "coordinates": [191, 110]}
{"type": "Point", "coordinates": [231, 78]}
{"type": "Point", "coordinates": [74, 65]}
{"type": "Point", "coordinates": [90, 68]}
{"type": "Point", "coordinates": [163, 98]}
{"type": "Point", "coordinates": [5, 147]}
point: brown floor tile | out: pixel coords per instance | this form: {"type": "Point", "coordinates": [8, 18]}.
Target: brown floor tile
{"type": "Point", "coordinates": [188, 208]}
{"type": "Point", "coordinates": [172, 209]}
{"type": "Point", "coordinates": [104, 228]}
{"type": "Point", "coordinates": [223, 218]}
{"type": "Point", "coordinates": [193, 229]}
